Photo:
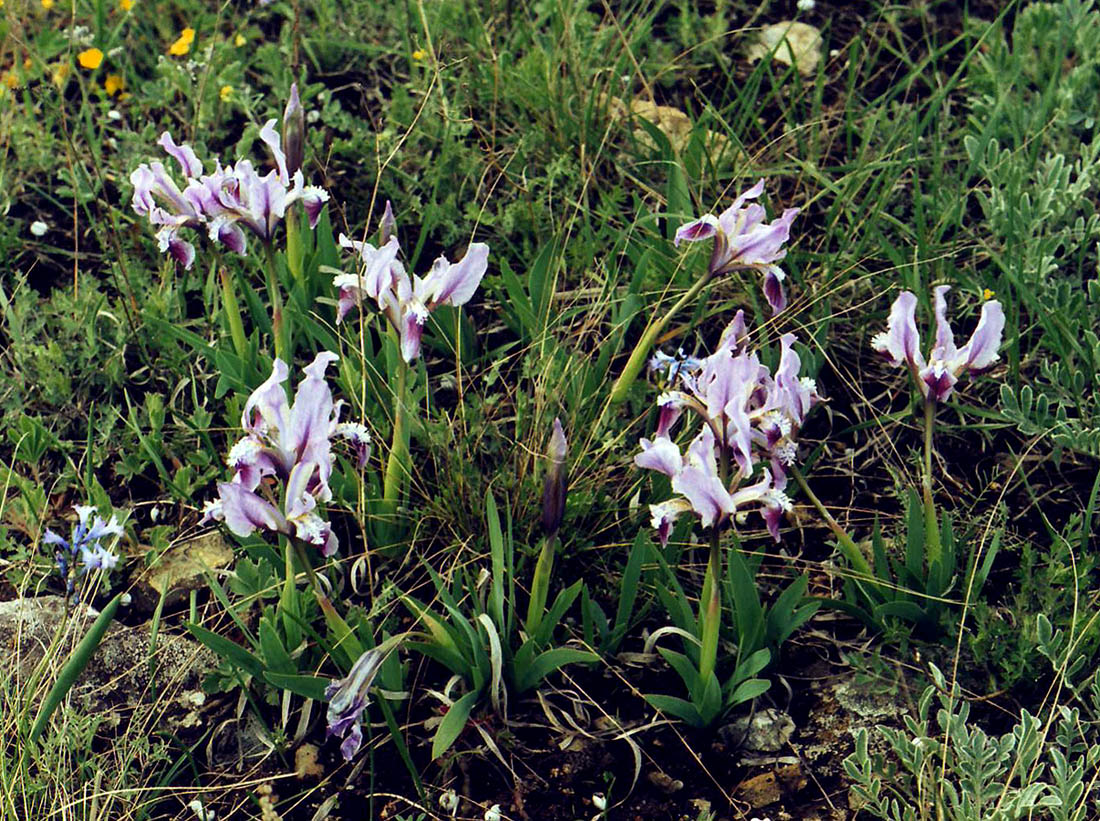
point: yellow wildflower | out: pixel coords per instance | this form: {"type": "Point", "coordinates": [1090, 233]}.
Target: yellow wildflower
{"type": "Point", "coordinates": [125, 5]}
{"type": "Point", "coordinates": [47, 4]}
{"type": "Point", "coordinates": [238, 41]}
{"type": "Point", "coordinates": [419, 54]}
{"type": "Point", "coordinates": [61, 74]}
{"type": "Point", "coordinates": [113, 84]}
{"type": "Point", "coordinates": [225, 93]}
{"type": "Point", "coordinates": [10, 80]}
{"type": "Point", "coordinates": [183, 44]}
{"type": "Point", "coordinates": [28, 62]}
{"type": "Point", "coordinates": [987, 294]}
{"type": "Point", "coordinates": [90, 58]}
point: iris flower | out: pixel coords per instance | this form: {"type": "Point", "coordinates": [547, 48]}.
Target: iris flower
{"type": "Point", "coordinates": [291, 444]}
{"type": "Point", "coordinates": [348, 698]}
{"type": "Point", "coordinates": [748, 417]}
{"type": "Point", "coordinates": [937, 376]}
{"type": "Point", "coordinates": [743, 240]}
{"type": "Point", "coordinates": [85, 543]}
{"type": "Point", "coordinates": [406, 302]}
{"type": "Point", "coordinates": [228, 201]}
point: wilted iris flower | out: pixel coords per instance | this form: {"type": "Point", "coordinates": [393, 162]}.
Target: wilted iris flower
{"type": "Point", "coordinates": [406, 301]}
{"type": "Point", "coordinates": [348, 698]}
{"type": "Point", "coordinates": [230, 200]}
{"type": "Point", "coordinates": [936, 377]}
{"type": "Point", "coordinates": [85, 544]}
{"type": "Point", "coordinates": [742, 239]}
{"type": "Point", "coordinates": [292, 444]}
{"type": "Point", "coordinates": [749, 417]}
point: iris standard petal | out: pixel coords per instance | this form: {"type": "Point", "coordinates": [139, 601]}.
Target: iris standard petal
{"type": "Point", "coordinates": [457, 281]}
{"type": "Point", "coordinates": [901, 342]}
{"type": "Point", "coordinates": [981, 351]}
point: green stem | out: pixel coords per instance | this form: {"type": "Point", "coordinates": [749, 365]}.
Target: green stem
{"type": "Point", "coordinates": [279, 331]}
{"type": "Point", "coordinates": [847, 546]}
{"type": "Point", "coordinates": [710, 610]}
{"type": "Point", "coordinates": [397, 464]}
{"type": "Point", "coordinates": [233, 315]}
{"type": "Point", "coordinates": [540, 584]}
{"type": "Point", "coordinates": [933, 547]}
{"type": "Point", "coordinates": [295, 253]}
{"type": "Point", "coordinates": [641, 351]}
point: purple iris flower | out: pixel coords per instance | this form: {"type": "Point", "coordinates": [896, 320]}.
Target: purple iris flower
{"type": "Point", "coordinates": [748, 417]}
{"type": "Point", "coordinates": [228, 201]}
{"type": "Point", "coordinates": [937, 376]}
{"type": "Point", "coordinates": [742, 239]}
{"type": "Point", "coordinates": [348, 698]}
{"type": "Point", "coordinates": [406, 301]}
{"type": "Point", "coordinates": [291, 443]}
{"type": "Point", "coordinates": [85, 543]}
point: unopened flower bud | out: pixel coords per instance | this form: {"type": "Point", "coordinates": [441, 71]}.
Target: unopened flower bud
{"type": "Point", "coordinates": [557, 481]}
{"type": "Point", "coordinates": [388, 227]}
{"type": "Point", "coordinates": [294, 131]}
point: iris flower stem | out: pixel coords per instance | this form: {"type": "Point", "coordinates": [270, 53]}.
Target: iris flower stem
{"type": "Point", "coordinates": [710, 604]}
{"type": "Point", "coordinates": [303, 559]}
{"type": "Point", "coordinates": [847, 546]}
{"type": "Point", "coordinates": [933, 547]}
{"type": "Point", "coordinates": [641, 351]}
{"type": "Point", "coordinates": [294, 251]}
{"type": "Point", "coordinates": [396, 466]}
{"type": "Point", "coordinates": [710, 610]}
{"type": "Point", "coordinates": [540, 584]}
{"type": "Point", "coordinates": [233, 314]}
{"type": "Point", "coordinates": [278, 328]}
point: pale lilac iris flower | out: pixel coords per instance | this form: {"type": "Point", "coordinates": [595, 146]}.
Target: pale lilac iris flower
{"type": "Point", "coordinates": [743, 239]}
{"type": "Point", "coordinates": [749, 417]}
{"type": "Point", "coordinates": [228, 203]}
{"type": "Point", "coordinates": [348, 698]}
{"type": "Point", "coordinates": [293, 444]}
{"type": "Point", "coordinates": [407, 301]}
{"type": "Point", "coordinates": [937, 375]}
{"type": "Point", "coordinates": [85, 544]}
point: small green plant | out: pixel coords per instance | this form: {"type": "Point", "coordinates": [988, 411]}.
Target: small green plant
{"type": "Point", "coordinates": [968, 774]}
{"type": "Point", "coordinates": [487, 649]}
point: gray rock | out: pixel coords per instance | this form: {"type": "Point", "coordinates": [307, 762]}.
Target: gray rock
{"type": "Point", "coordinates": [118, 678]}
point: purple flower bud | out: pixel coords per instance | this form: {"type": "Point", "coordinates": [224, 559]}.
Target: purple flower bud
{"type": "Point", "coordinates": [294, 130]}
{"type": "Point", "coordinates": [555, 486]}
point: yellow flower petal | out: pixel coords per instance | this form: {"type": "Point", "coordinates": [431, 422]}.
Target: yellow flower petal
{"type": "Point", "coordinates": [987, 294]}
{"type": "Point", "coordinates": [90, 58]}
{"type": "Point", "coordinates": [125, 5]}
{"type": "Point", "coordinates": [183, 44]}
{"type": "Point", "coordinates": [225, 93]}
{"type": "Point", "coordinates": [419, 54]}
{"type": "Point", "coordinates": [113, 84]}
{"type": "Point", "coordinates": [10, 80]}
{"type": "Point", "coordinates": [238, 41]}
{"type": "Point", "coordinates": [47, 4]}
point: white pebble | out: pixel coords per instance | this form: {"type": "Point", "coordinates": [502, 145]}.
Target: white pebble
{"type": "Point", "coordinates": [39, 228]}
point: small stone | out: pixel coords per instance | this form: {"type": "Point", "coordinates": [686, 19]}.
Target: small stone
{"type": "Point", "coordinates": [181, 568]}
{"type": "Point", "coordinates": [791, 43]}
{"type": "Point", "coordinates": [766, 730]}
{"type": "Point", "coordinates": [760, 790]}
{"type": "Point", "coordinates": [674, 123]}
